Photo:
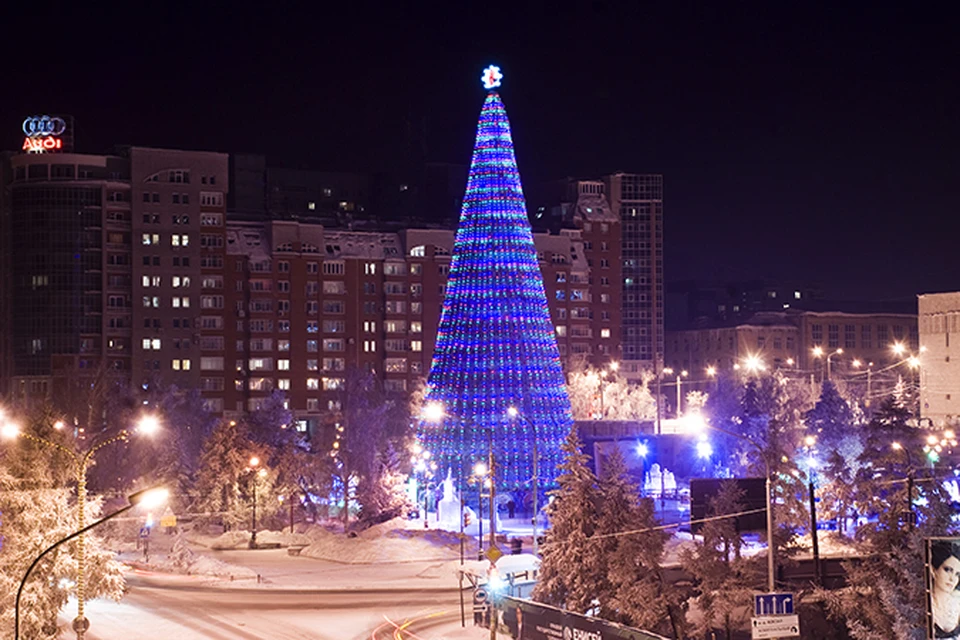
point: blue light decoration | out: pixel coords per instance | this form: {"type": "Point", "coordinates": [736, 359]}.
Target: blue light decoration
{"type": "Point", "coordinates": [496, 344]}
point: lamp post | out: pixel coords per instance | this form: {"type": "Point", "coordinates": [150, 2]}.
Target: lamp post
{"type": "Point", "coordinates": [148, 497]}
{"type": "Point", "coordinates": [896, 446]}
{"type": "Point", "coordinates": [668, 371]}
{"type": "Point", "coordinates": [680, 376]}
{"type": "Point", "coordinates": [771, 568]}
{"type": "Point", "coordinates": [818, 352]}
{"type": "Point", "coordinates": [480, 477]}
{"type": "Point", "coordinates": [252, 468]}
{"type": "Point", "coordinates": [514, 413]}
{"type": "Point", "coordinates": [147, 425]}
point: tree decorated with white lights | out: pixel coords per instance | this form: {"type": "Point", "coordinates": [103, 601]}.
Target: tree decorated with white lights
{"type": "Point", "coordinates": [496, 345]}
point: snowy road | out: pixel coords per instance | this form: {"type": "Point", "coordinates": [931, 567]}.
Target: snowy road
{"type": "Point", "coordinates": [195, 612]}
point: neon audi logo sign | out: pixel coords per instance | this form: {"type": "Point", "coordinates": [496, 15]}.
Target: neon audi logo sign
{"type": "Point", "coordinates": [42, 134]}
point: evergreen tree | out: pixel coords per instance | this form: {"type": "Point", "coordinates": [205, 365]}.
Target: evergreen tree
{"type": "Point", "coordinates": [831, 419]}
{"type": "Point", "coordinates": [724, 580]}
{"type": "Point", "coordinates": [224, 478]}
{"type": "Point", "coordinates": [35, 512]}
{"type": "Point", "coordinates": [634, 589]}
{"type": "Point", "coordinates": [569, 571]}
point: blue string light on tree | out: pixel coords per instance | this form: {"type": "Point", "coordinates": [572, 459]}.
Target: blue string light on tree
{"type": "Point", "coordinates": [496, 344]}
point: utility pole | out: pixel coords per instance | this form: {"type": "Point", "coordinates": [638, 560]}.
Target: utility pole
{"type": "Point", "coordinates": [817, 579]}
{"type": "Point", "coordinates": [679, 397]}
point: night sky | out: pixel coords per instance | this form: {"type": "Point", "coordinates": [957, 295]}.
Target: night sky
{"type": "Point", "coordinates": [815, 145]}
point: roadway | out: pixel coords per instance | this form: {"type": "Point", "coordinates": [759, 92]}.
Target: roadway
{"type": "Point", "coordinates": [157, 607]}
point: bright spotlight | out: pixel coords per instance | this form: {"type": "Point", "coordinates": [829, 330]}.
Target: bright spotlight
{"type": "Point", "coordinates": [643, 449]}
{"type": "Point", "coordinates": [434, 411]}
{"type": "Point", "coordinates": [704, 450]}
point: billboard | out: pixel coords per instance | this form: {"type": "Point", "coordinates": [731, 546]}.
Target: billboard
{"type": "Point", "coordinates": [702, 490]}
{"type": "Point", "coordinates": [528, 620]}
{"type": "Point", "coordinates": [943, 587]}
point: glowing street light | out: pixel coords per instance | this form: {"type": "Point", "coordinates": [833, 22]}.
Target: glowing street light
{"type": "Point", "coordinates": [10, 430]}
{"type": "Point", "coordinates": [148, 499]}
{"type": "Point", "coordinates": [434, 412]}
{"type": "Point", "coordinates": [754, 363]}
{"type": "Point", "coordinates": [711, 371]}
{"type": "Point", "coordinates": [818, 352]}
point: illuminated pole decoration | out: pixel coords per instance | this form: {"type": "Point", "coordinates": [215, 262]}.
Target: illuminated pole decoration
{"type": "Point", "coordinates": [496, 344]}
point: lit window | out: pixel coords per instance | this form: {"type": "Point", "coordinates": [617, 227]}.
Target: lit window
{"type": "Point", "coordinates": [311, 206]}
{"type": "Point", "coordinates": [283, 383]}
{"type": "Point", "coordinates": [604, 333]}
{"type": "Point", "coordinates": [283, 365]}
{"type": "Point", "coordinates": [313, 384]}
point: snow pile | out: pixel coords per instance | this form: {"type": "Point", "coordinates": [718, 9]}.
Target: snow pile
{"type": "Point", "coordinates": [206, 566]}
{"type": "Point", "coordinates": [283, 538]}
{"type": "Point", "coordinates": [230, 540]}
{"type": "Point", "coordinates": [383, 543]}
{"type": "Point", "coordinates": [241, 539]}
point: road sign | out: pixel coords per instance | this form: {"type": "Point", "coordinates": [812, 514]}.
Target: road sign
{"type": "Point", "coordinates": [775, 627]}
{"type": "Point", "coordinates": [168, 521]}
{"type": "Point", "coordinates": [480, 596]}
{"type": "Point", "coordinates": [493, 553]}
{"type": "Point", "coordinates": [773, 604]}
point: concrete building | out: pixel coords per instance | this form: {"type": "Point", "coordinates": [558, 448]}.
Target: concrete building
{"type": "Point", "coordinates": [787, 340]}
{"type": "Point", "coordinates": [940, 360]}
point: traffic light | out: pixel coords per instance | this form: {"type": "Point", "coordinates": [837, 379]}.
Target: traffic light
{"type": "Point", "coordinates": [466, 518]}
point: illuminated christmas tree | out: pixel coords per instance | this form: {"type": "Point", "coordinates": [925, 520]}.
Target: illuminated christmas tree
{"type": "Point", "coordinates": [496, 346]}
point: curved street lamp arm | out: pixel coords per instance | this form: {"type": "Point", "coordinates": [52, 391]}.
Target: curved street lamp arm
{"type": "Point", "coordinates": [48, 550]}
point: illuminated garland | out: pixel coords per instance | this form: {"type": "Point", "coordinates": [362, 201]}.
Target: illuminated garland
{"type": "Point", "coordinates": [496, 345]}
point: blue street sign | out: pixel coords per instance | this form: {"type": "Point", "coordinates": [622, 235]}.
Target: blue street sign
{"type": "Point", "coordinates": [773, 604]}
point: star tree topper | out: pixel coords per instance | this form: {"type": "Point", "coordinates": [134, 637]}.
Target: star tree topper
{"type": "Point", "coordinates": [491, 77]}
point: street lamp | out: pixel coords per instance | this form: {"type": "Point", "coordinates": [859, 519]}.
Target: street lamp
{"type": "Point", "coordinates": [896, 446]}
{"type": "Point", "coordinates": [513, 412]}
{"type": "Point", "coordinates": [252, 468]}
{"type": "Point", "coordinates": [147, 424]}
{"type": "Point", "coordinates": [754, 363]}
{"type": "Point", "coordinates": [668, 371]}
{"type": "Point", "coordinates": [771, 571]}
{"type": "Point", "coordinates": [818, 352]}
{"type": "Point", "coordinates": [479, 476]}
{"type": "Point", "coordinates": [423, 465]}
{"type": "Point", "coordinates": [149, 498]}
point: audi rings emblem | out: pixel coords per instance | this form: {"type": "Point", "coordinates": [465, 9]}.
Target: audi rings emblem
{"type": "Point", "coordinates": [36, 126]}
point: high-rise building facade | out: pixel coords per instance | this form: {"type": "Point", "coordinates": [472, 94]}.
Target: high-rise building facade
{"type": "Point", "coordinates": [105, 266]}
{"type": "Point", "coordinates": [638, 201]}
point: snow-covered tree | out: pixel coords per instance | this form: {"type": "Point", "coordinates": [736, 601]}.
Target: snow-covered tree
{"type": "Point", "coordinates": [224, 476]}
{"type": "Point", "coordinates": [634, 589]}
{"type": "Point", "coordinates": [569, 570]}
{"type": "Point", "coordinates": [724, 579]}
{"type": "Point", "coordinates": [831, 419]}
{"type": "Point", "coordinates": [34, 514]}
{"type": "Point", "coordinates": [372, 426]}
{"type": "Point", "coordinates": [601, 394]}
{"type": "Point", "coordinates": [885, 596]}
